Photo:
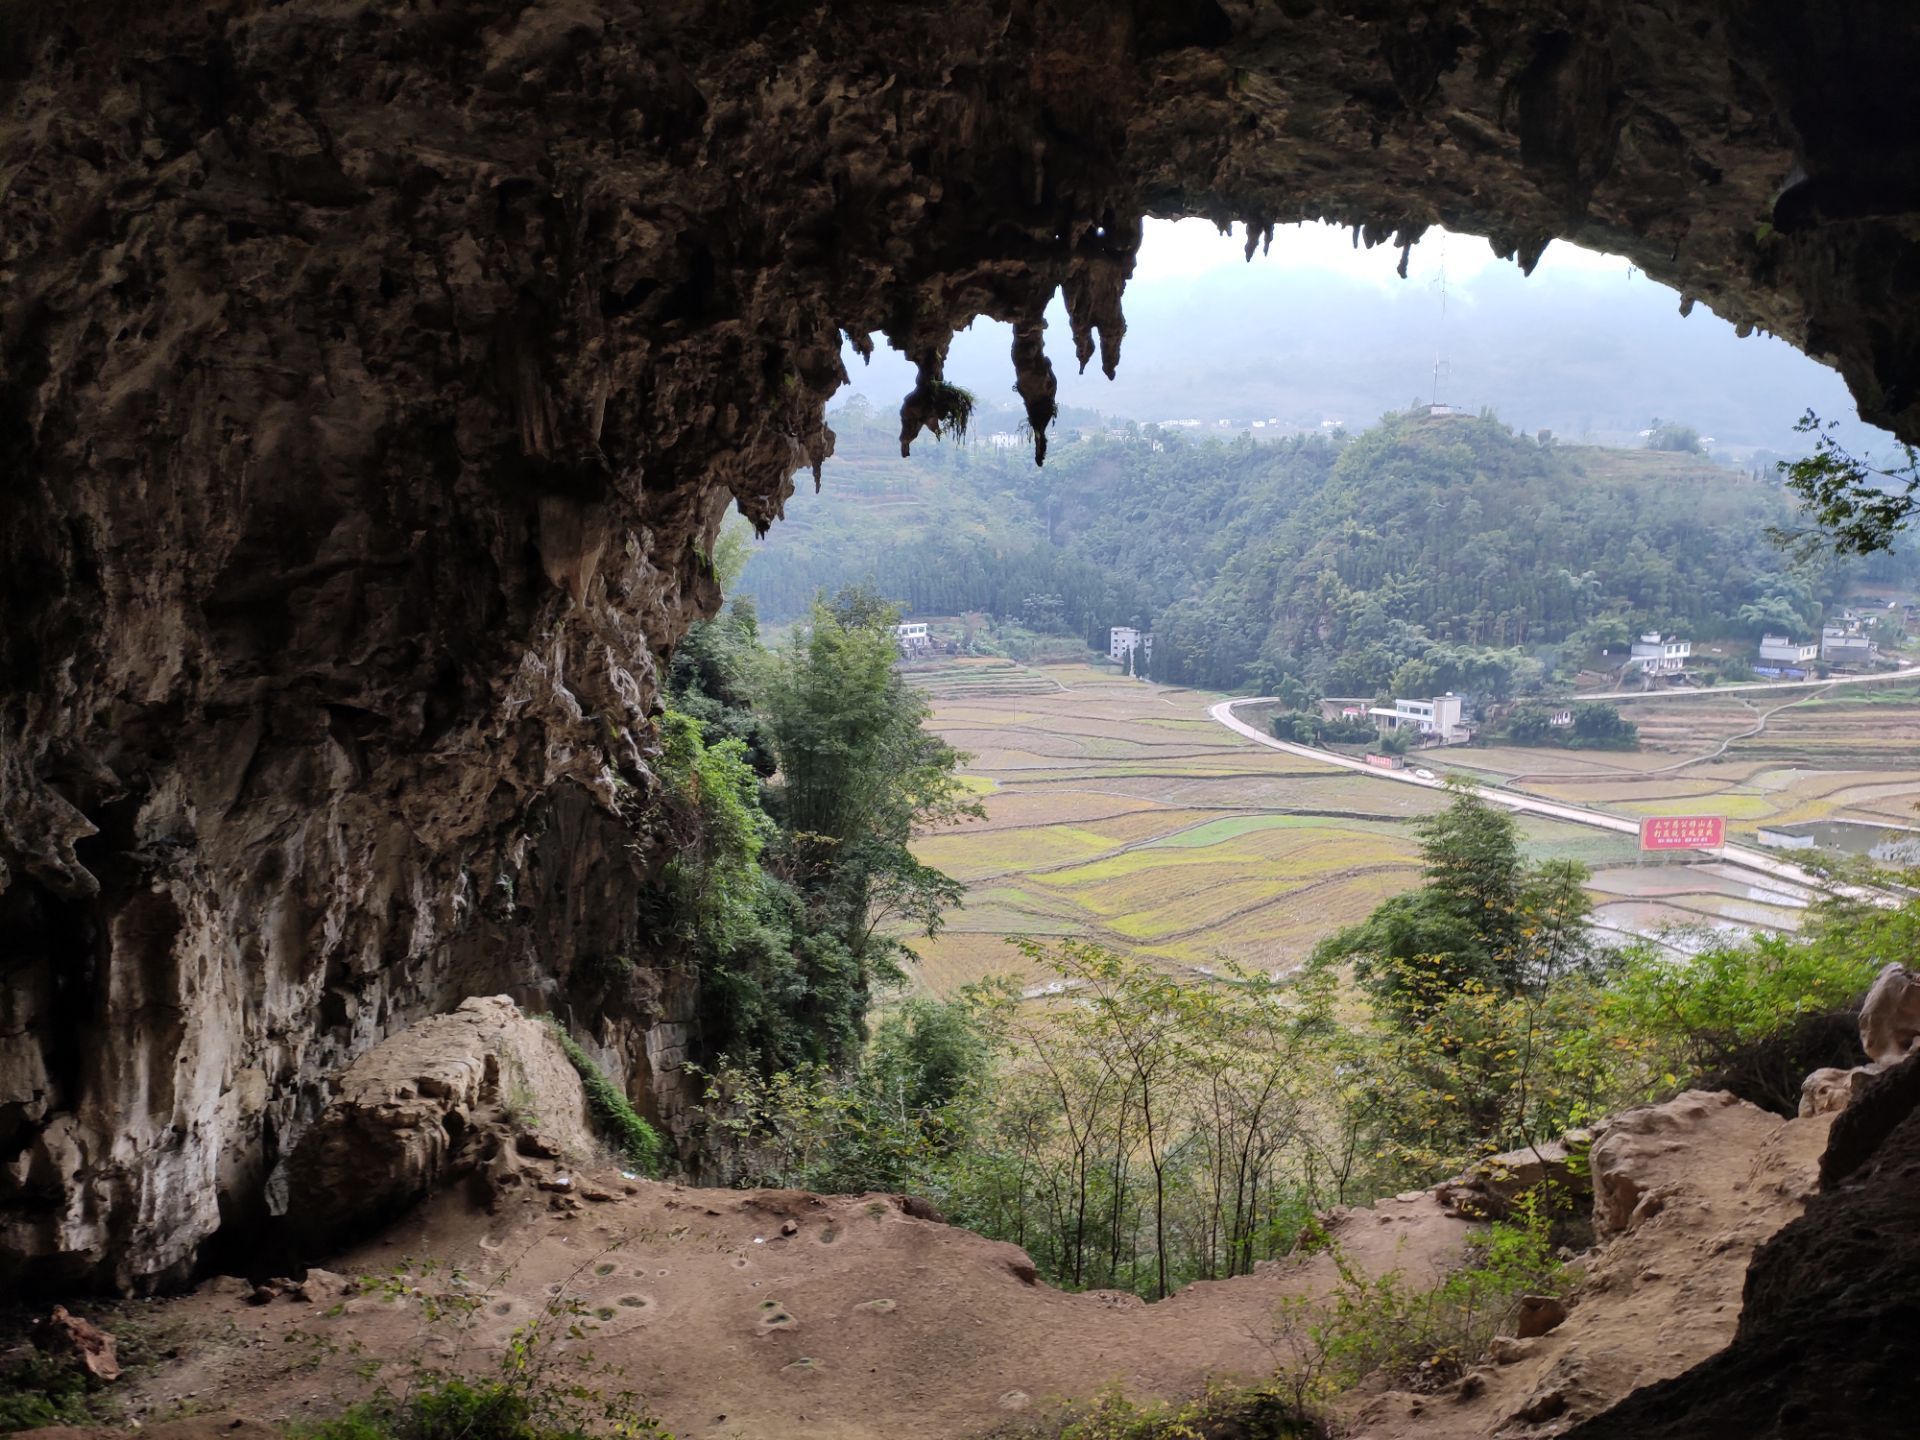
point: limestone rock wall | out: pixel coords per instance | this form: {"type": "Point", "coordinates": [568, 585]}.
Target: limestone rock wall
{"type": "Point", "coordinates": [374, 373]}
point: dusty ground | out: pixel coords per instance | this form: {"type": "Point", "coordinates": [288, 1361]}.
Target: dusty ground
{"type": "Point", "coordinates": [799, 1317]}
{"type": "Point", "coordinates": [863, 1322]}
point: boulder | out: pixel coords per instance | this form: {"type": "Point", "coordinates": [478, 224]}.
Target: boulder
{"type": "Point", "coordinates": [442, 1097]}
{"type": "Point", "coordinates": [81, 1343]}
{"type": "Point", "coordinates": [1509, 1349]}
{"type": "Point", "coordinates": [1825, 1346]}
{"type": "Point", "coordinates": [1540, 1315]}
{"type": "Point", "coordinates": [1890, 1015]}
{"type": "Point", "coordinates": [1644, 1155]}
{"type": "Point", "coordinates": [1488, 1189]}
{"type": "Point", "coordinates": [1830, 1090]}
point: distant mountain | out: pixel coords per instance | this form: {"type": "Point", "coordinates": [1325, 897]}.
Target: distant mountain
{"type": "Point", "coordinates": [1449, 542]}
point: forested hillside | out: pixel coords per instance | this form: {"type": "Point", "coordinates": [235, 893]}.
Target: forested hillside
{"type": "Point", "coordinates": [1445, 551]}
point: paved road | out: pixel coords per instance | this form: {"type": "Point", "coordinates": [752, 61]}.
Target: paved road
{"type": "Point", "coordinates": [1746, 858]}
{"type": "Point", "coordinates": [1688, 692]}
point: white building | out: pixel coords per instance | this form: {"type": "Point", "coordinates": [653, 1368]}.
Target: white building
{"type": "Point", "coordinates": [1561, 719]}
{"type": "Point", "coordinates": [913, 638]}
{"type": "Point", "coordinates": [1661, 653]}
{"type": "Point", "coordinates": [1846, 645]}
{"type": "Point", "coordinates": [1435, 719]}
{"type": "Point", "coordinates": [1781, 650]}
{"type": "Point", "coordinates": [1122, 640]}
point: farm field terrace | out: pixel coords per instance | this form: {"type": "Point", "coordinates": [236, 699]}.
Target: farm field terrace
{"type": "Point", "coordinates": [1758, 759]}
{"type": "Point", "coordinates": [1119, 811]}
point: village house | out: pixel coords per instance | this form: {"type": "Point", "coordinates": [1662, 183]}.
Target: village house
{"type": "Point", "coordinates": [1846, 644]}
{"type": "Point", "coordinates": [1124, 640]}
{"type": "Point", "coordinates": [1661, 654]}
{"type": "Point", "coordinates": [913, 638]}
{"type": "Point", "coordinates": [1781, 650]}
{"type": "Point", "coordinates": [1435, 719]}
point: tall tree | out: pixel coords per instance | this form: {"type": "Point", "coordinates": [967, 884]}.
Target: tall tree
{"type": "Point", "coordinates": [858, 775]}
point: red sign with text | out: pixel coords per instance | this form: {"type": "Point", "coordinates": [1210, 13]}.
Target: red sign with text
{"type": "Point", "coordinates": [1683, 832]}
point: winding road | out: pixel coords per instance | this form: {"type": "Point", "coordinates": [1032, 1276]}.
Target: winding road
{"type": "Point", "coordinates": [1742, 856]}
{"type": "Point", "coordinates": [1910, 672]}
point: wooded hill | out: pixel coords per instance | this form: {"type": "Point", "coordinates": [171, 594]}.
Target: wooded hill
{"type": "Point", "coordinates": [1429, 552]}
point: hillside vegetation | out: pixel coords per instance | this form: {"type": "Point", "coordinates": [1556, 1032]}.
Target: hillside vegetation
{"type": "Point", "coordinates": [1427, 552]}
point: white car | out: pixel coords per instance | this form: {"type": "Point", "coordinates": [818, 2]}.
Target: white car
{"type": "Point", "coordinates": [1423, 774]}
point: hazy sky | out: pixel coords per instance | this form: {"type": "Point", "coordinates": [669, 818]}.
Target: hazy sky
{"type": "Point", "coordinates": [1317, 330]}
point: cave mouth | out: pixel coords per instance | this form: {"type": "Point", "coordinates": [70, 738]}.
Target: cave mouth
{"type": "Point", "coordinates": [1313, 328]}
{"type": "Point", "coordinates": [374, 379]}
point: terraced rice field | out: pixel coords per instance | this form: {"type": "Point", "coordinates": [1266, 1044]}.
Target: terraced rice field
{"type": "Point", "coordinates": [1841, 754]}
{"type": "Point", "coordinates": [1119, 811]}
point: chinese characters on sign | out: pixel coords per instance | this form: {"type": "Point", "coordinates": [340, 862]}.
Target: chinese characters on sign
{"type": "Point", "coordinates": [1683, 832]}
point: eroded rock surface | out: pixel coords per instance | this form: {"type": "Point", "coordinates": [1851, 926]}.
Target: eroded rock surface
{"type": "Point", "coordinates": [1890, 1015]}
{"type": "Point", "coordinates": [1685, 1193]}
{"type": "Point", "coordinates": [1828, 1343]}
{"type": "Point", "coordinates": [373, 376]}
{"type": "Point", "coordinates": [463, 1087]}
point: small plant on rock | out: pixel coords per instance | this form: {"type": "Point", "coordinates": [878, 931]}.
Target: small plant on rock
{"type": "Point", "coordinates": [1421, 1338]}
{"type": "Point", "coordinates": [619, 1124]}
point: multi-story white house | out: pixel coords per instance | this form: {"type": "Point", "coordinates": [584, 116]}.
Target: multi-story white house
{"type": "Point", "coordinates": [1123, 640]}
{"type": "Point", "coordinates": [1662, 653]}
{"type": "Point", "coordinates": [1781, 650]}
{"type": "Point", "coordinates": [913, 638]}
{"type": "Point", "coordinates": [1435, 719]}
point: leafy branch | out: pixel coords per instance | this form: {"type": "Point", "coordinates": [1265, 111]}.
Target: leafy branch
{"type": "Point", "coordinates": [1857, 507]}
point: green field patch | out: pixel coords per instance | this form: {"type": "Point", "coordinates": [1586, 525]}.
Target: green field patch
{"type": "Point", "coordinates": [966, 856]}
{"type": "Point", "coordinates": [1232, 827]}
{"type": "Point", "coordinates": [1733, 807]}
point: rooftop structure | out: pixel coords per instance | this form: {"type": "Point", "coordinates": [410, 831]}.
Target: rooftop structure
{"type": "Point", "coordinates": [1435, 719]}
{"type": "Point", "coordinates": [1781, 650]}
{"type": "Point", "coordinates": [1655, 652]}
{"type": "Point", "coordinates": [1847, 644]}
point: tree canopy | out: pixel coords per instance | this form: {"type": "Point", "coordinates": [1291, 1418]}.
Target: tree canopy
{"type": "Point", "coordinates": [1424, 554]}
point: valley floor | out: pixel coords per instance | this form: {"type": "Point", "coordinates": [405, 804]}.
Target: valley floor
{"type": "Point", "coordinates": [1118, 811]}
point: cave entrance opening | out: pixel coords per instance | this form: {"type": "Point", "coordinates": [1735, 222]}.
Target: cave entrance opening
{"type": "Point", "coordinates": [1314, 331]}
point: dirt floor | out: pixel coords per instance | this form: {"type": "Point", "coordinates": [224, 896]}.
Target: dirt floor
{"type": "Point", "coordinates": [751, 1314]}
{"type": "Point", "coordinates": [797, 1317]}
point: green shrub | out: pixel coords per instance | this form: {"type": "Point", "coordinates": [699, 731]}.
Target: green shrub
{"type": "Point", "coordinates": [447, 1409]}
{"type": "Point", "coordinates": [42, 1392]}
{"type": "Point", "coordinates": [1424, 1338]}
{"type": "Point", "coordinates": [1721, 1011]}
{"type": "Point", "coordinates": [451, 1408]}
{"type": "Point", "coordinates": [614, 1117]}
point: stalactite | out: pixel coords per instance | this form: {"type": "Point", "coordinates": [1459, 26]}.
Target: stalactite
{"type": "Point", "coordinates": [1033, 377]}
